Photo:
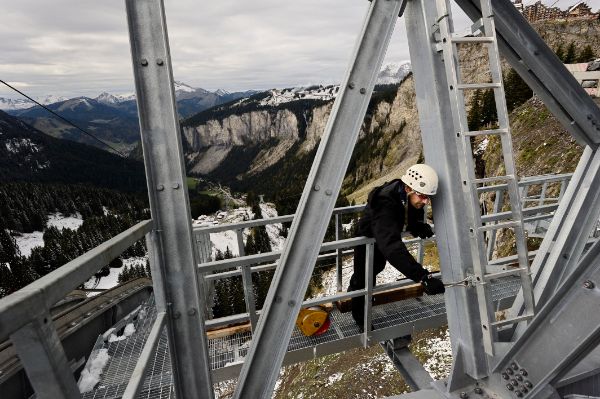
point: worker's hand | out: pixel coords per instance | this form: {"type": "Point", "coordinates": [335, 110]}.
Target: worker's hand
{"type": "Point", "coordinates": [421, 230]}
{"type": "Point", "coordinates": [433, 285]}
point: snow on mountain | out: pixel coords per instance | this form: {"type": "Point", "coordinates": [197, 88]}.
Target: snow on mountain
{"type": "Point", "coordinates": [107, 98]}
{"type": "Point", "coordinates": [50, 99]}
{"type": "Point", "coordinates": [221, 92]}
{"type": "Point", "coordinates": [182, 87]}
{"type": "Point", "coordinates": [12, 104]}
{"type": "Point", "coordinates": [317, 92]}
{"type": "Point", "coordinates": [393, 72]}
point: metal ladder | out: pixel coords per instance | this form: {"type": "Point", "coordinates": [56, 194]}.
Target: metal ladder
{"type": "Point", "coordinates": [448, 45]}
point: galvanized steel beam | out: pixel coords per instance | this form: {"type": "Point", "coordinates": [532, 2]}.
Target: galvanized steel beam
{"type": "Point", "coordinates": [541, 69]}
{"type": "Point", "coordinates": [43, 357]}
{"type": "Point", "coordinates": [169, 203]}
{"type": "Point", "coordinates": [449, 211]}
{"type": "Point", "coordinates": [413, 373]}
{"type": "Point", "coordinates": [261, 369]}
{"type": "Point", "coordinates": [568, 324]}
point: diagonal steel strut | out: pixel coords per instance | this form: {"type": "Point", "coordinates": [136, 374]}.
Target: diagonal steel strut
{"type": "Point", "coordinates": [275, 326]}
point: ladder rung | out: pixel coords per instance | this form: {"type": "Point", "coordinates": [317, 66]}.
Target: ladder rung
{"type": "Point", "coordinates": [514, 320]}
{"type": "Point", "coordinates": [506, 273]}
{"type": "Point", "coordinates": [485, 132]}
{"type": "Point", "coordinates": [498, 226]}
{"type": "Point", "coordinates": [475, 86]}
{"type": "Point", "coordinates": [493, 179]}
{"type": "Point", "coordinates": [473, 39]}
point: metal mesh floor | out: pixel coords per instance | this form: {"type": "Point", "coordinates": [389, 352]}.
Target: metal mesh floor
{"type": "Point", "coordinates": [230, 350]}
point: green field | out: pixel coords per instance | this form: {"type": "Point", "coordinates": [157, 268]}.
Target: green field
{"type": "Point", "coordinates": [191, 183]}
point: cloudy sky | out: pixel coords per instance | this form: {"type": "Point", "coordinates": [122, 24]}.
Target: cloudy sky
{"type": "Point", "coordinates": [81, 47]}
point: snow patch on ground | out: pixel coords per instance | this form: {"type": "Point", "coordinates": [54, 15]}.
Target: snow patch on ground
{"type": "Point", "coordinates": [334, 378]}
{"type": "Point", "coordinates": [60, 221]}
{"type": "Point", "coordinates": [27, 241]}
{"type": "Point", "coordinates": [439, 354]}
{"type": "Point", "coordinates": [273, 230]}
{"type": "Point", "coordinates": [129, 330]}
{"type": "Point", "coordinates": [91, 374]}
{"type": "Point", "coordinates": [110, 281]}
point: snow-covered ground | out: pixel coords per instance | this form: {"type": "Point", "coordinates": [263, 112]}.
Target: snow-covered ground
{"type": "Point", "coordinates": [228, 239]}
{"type": "Point", "coordinates": [111, 280]}
{"type": "Point", "coordinates": [27, 241]}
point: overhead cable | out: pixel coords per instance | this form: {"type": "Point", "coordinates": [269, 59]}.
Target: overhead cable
{"type": "Point", "coordinates": [64, 119]}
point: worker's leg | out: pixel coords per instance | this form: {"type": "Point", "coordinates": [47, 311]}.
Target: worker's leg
{"type": "Point", "coordinates": [357, 281]}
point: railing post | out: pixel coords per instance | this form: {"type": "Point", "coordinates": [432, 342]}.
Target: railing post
{"type": "Point", "coordinates": [203, 250]}
{"type": "Point", "coordinates": [338, 257]}
{"type": "Point", "coordinates": [540, 203]}
{"type": "Point", "coordinates": [169, 200]}
{"type": "Point", "coordinates": [368, 294]}
{"type": "Point", "coordinates": [247, 283]}
{"type": "Point", "coordinates": [44, 359]}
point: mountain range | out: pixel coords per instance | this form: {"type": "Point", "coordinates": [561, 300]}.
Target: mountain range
{"type": "Point", "coordinates": [113, 118]}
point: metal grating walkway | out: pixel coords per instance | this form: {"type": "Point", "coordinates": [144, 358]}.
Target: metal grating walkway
{"type": "Point", "coordinates": [227, 353]}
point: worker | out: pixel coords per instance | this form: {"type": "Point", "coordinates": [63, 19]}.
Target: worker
{"type": "Point", "coordinates": [389, 209]}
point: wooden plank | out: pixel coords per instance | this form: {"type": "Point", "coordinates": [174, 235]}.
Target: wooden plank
{"type": "Point", "coordinates": [380, 298]}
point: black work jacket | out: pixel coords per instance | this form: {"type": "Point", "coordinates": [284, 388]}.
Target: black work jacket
{"type": "Point", "coordinates": [384, 220]}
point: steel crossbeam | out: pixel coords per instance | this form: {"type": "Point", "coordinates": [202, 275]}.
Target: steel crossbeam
{"type": "Point", "coordinates": [260, 371]}
{"type": "Point", "coordinates": [173, 244]}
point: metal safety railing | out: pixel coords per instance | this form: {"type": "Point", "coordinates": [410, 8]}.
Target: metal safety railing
{"type": "Point", "coordinates": [539, 195]}
{"type": "Point", "coordinates": [25, 315]}
{"type": "Point", "coordinates": [245, 265]}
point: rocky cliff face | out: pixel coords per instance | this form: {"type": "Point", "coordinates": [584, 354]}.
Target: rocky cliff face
{"type": "Point", "coordinates": [389, 140]}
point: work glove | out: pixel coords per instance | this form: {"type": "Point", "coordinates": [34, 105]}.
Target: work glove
{"type": "Point", "coordinates": [421, 230]}
{"type": "Point", "coordinates": [433, 285]}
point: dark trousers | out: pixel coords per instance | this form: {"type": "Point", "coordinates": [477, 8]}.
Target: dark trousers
{"type": "Point", "coordinates": [357, 281]}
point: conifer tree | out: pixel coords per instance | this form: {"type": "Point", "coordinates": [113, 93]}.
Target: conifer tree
{"type": "Point", "coordinates": [586, 55]}
{"type": "Point", "coordinates": [560, 52]}
{"type": "Point", "coordinates": [571, 54]}
{"type": "Point", "coordinates": [474, 117]}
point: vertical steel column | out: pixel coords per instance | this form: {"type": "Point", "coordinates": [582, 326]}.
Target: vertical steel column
{"type": "Point", "coordinates": [339, 252]}
{"type": "Point", "coordinates": [261, 368]}
{"type": "Point", "coordinates": [448, 206]}
{"type": "Point", "coordinates": [247, 282]}
{"type": "Point", "coordinates": [158, 278]}
{"type": "Point", "coordinates": [169, 202]}
{"type": "Point", "coordinates": [44, 359]}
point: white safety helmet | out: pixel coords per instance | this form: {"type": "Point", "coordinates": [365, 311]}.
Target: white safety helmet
{"type": "Point", "coordinates": [421, 178]}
